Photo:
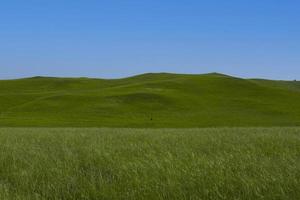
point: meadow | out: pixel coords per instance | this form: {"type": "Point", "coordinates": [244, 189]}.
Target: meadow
{"type": "Point", "coordinates": [160, 143]}
{"type": "Point", "coordinates": [118, 163]}
{"type": "Point", "coordinates": [149, 100]}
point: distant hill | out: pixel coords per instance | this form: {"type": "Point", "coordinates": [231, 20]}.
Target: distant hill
{"type": "Point", "coordinates": [149, 100]}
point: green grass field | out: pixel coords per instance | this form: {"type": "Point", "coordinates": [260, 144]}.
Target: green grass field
{"type": "Point", "coordinates": [91, 163]}
{"type": "Point", "coordinates": [149, 100]}
{"type": "Point", "coordinates": [170, 156]}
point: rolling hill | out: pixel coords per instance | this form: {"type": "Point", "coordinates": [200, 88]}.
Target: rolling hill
{"type": "Point", "coordinates": [149, 100]}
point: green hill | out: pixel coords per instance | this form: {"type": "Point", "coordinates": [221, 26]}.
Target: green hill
{"type": "Point", "coordinates": [149, 100]}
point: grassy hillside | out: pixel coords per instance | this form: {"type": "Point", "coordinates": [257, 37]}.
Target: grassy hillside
{"type": "Point", "coordinates": [149, 100]}
{"type": "Point", "coordinates": [211, 164]}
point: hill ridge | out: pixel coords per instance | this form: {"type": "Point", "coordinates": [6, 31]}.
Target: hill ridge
{"type": "Point", "coordinates": [150, 74]}
{"type": "Point", "coordinates": [149, 100]}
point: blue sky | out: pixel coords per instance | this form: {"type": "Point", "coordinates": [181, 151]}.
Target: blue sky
{"type": "Point", "coordinates": [117, 38]}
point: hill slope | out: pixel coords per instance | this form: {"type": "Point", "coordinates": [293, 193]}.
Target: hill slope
{"type": "Point", "coordinates": [149, 100]}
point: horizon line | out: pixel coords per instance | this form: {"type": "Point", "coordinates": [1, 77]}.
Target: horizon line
{"type": "Point", "coordinates": [141, 74]}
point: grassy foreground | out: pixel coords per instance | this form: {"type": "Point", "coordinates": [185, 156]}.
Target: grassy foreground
{"type": "Point", "coordinates": [224, 163]}
{"type": "Point", "coordinates": [149, 100]}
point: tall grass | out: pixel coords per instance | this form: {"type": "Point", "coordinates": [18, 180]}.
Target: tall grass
{"type": "Point", "coordinates": [241, 163]}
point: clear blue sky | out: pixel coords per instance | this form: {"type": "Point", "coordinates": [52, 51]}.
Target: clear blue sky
{"type": "Point", "coordinates": [116, 38]}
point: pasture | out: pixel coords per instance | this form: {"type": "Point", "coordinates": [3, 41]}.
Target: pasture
{"type": "Point", "coordinates": [149, 100]}
{"type": "Point", "coordinates": [110, 163]}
